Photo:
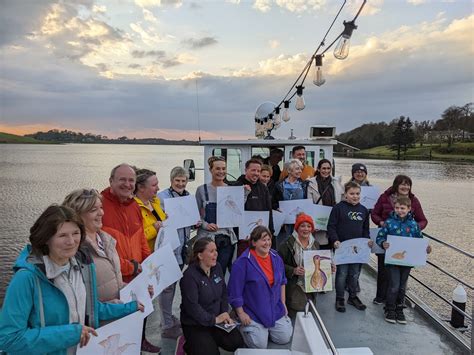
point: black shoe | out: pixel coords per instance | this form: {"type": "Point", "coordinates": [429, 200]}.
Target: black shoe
{"type": "Point", "coordinates": [357, 303]}
{"type": "Point", "coordinates": [378, 301]}
{"type": "Point", "coordinates": [391, 316]}
{"type": "Point", "coordinates": [340, 307]}
{"type": "Point", "coordinates": [400, 316]}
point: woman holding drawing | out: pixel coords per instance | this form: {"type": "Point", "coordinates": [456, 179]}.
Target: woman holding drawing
{"type": "Point", "coordinates": [206, 198]}
{"type": "Point", "coordinates": [204, 304]}
{"type": "Point", "coordinates": [257, 292]}
{"type": "Point", "coordinates": [326, 190]}
{"type": "Point", "coordinates": [51, 303]}
{"type": "Point", "coordinates": [401, 186]}
{"type": "Point", "coordinates": [171, 327]}
{"type": "Point", "coordinates": [146, 188]}
{"type": "Point", "coordinates": [292, 254]}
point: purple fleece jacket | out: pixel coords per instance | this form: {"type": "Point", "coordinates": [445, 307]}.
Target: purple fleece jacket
{"type": "Point", "coordinates": [249, 288]}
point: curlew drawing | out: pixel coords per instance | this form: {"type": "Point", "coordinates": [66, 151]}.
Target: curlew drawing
{"type": "Point", "coordinates": [112, 346]}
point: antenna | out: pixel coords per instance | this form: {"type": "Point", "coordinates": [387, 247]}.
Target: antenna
{"type": "Point", "coordinates": [197, 109]}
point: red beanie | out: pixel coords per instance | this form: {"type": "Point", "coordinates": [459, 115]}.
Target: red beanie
{"type": "Point", "coordinates": [302, 217]}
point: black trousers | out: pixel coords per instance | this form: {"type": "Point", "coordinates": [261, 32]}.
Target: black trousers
{"type": "Point", "coordinates": [202, 340]}
{"type": "Point", "coordinates": [382, 278]}
{"type": "Point", "coordinates": [397, 285]}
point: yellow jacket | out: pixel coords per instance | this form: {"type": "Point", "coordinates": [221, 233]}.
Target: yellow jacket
{"type": "Point", "coordinates": [149, 220]}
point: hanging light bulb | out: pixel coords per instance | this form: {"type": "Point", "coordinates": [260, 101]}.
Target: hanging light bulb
{"type": "Point", "coordinates": [277, 118]}
{"type": "Point", "coordinates": [269, 124]}
{"type": "Point", "coordinates": [318, 72]}
{"type": "Point", "coordinates": [342, 49]}
{"type": "Point", "coordinates": [299, 98]}
{"type": "Point", "coordinates": [286, 111]}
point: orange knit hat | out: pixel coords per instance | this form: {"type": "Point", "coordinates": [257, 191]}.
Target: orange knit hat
{"type": "Point", "coordinates": [302, 217]}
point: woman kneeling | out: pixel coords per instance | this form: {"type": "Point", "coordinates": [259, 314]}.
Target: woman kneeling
{"type": "Point", "coordinates": [257, 293]}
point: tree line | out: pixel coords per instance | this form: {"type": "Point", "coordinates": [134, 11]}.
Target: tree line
{"type": "Point", "coordinates": [455, 124]}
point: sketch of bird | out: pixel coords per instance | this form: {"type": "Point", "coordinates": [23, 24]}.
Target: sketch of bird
{"type": "Point", "coordinates": [355, 250]}
{"type": "Point", "coordinates": [258, 222]}
{"type": "Point", "coordinates": [399, 255]}
{"type": "Point", "coordinates": [111, 345]}
{"type": "Point", "coordinates": [319, 278]}
{"type": "Point", "coordinates": [154, 271]}
{"type": "Point", "coordinates": [295, 211]}
{"type": "Point", "coordinates": [230, 203]}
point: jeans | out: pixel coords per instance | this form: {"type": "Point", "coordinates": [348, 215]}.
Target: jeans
{"type": "Point", "coordinates": [347, 273]}
{"type": "Point", "coordinates": [256, 335]}
{"type": "Point", "coordinates": [397, 285]}
{"type": "Point", "coordinates": [382, 278]}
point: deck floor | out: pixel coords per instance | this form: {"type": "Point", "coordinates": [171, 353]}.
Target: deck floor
{"type": "Point", "coordinates": [353, 328]}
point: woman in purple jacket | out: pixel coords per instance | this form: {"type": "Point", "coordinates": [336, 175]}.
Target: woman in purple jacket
{"type": "Point", "coordinates": [401, 186]}
{"type": "Point", "coordinates": [257, 293]}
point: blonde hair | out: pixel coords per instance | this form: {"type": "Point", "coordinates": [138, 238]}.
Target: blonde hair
{"type": "Point", "coordinates": [213, 159]}
{"type": "Point", "coordinates": [292, 164]}
{"type": "Point", "coordinates": [82, 200]}
{"type": "Point", "coordinates": [268, 168]}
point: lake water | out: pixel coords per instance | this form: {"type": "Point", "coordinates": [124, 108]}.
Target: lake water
{"type": "Point", "coordinates": [34, 176]}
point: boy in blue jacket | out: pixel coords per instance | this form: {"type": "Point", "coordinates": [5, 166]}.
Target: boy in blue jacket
{"type": "Point", "coordinates": [348, 220]}
{"type": "Point", "coordinates": [400, 223]}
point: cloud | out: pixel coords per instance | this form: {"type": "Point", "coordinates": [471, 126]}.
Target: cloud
{"type": "Point", "coordinates": [262, 5]}
{"type": "Point", "coordinates": [274, 43]}
{"type": "Point", "coordinates": [158, 3]}
{"type": "Point", "coordinates": [416, 2]}
{"type": "Point", "coordinates": [198, 43]}
{"type": "Point", "coordinates": [372, 7]}
{"type": "Point", "coordinates": [148, 16]}
{"type": "Point", "coordinates": [100, 9]}
{"type": "Point", "coordinates": [143, 54]}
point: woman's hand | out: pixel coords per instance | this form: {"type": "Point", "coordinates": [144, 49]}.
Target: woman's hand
{"type": "Point", "coordinates": [140, 306]}
{"type": "Point", "coordinates": [158, 225]}
{"type": "Point", "coordinates": [386, 245]}
{"type": "Point", "coordinates": [333, 268]}
{"type": "Point", "coordinates": [151, 291]}
{"type": "Point", "coordinates": [299, 271]}
{"type": "Point", "coordinates": [212, 227]}
{"type": "Point", "coordinates": [428, 249]}
{"type": "Point", "coordinates": [86, 335]}
{"type": "Point", "coordinates": [370, 243]}
{"type": "Point", "coordinates": [244, 318]}
{"type": "Point", "coordinates": [224, 318]}
{"type": "Point", "coordinates": [286, 309]}
{"type": "Point", "coordinates": [337, 244]}
{"type": "Point", "coordinates": [198, 224]}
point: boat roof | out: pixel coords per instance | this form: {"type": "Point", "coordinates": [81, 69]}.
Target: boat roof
{"type": "Point", "coordinates": [270, 142]}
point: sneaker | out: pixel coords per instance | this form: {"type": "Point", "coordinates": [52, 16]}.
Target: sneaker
{"type": "Point", "coordinates": [391, 316]}
{"type": "Point", "coordinates": [378, 301]}
{"type": "Point", "coordinates": [180, 346]}
{"type": "Point", "coordinates": [150, 348]}
{"type": "Point", "coordinates": [357, 303]}
{"type": "Point", "coordinates": [340, 307]}
{"type": "Point", "coordinates": [400, 316]}
{"type": "Point", "coordinates": [171, 333]}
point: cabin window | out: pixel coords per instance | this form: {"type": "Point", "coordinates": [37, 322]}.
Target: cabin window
{"type": "Point", "coordinates": [310, 157]}
{"type": "Point", "coordinates": [264, 152]}
{"type": "Point", "coordinates": [233, 159]}
{"type": "Point", "coordinates": [321, 154]}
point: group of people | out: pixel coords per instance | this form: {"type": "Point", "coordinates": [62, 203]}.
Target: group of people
{"type": "Point", "coordinates": [85, 250]}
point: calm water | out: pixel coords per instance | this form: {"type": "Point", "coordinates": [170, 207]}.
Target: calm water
{"type": "Point", "coordinates": [34, 176]}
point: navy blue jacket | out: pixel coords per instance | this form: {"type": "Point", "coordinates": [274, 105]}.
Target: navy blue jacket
{"type": "Point", "coordinates": [348, 221]}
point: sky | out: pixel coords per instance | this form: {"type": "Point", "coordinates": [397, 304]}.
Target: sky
{"type": "Point", "coordinates": [181, 69]}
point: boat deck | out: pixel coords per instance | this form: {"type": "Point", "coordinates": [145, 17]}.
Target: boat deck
{"type": "Point", "coordinates": [353, 328]}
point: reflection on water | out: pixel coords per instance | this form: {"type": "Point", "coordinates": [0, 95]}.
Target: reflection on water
{"type": "Point", "coordinates": [34, 176]}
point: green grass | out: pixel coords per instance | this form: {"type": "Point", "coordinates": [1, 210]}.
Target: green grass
{"type": "Point", "coordinates": [458, 152]}
{"type": "Point", "coordinates": [13, 138]}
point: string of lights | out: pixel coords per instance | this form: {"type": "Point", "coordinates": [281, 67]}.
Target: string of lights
{"type": "Point", "coordinates": [274, 119]}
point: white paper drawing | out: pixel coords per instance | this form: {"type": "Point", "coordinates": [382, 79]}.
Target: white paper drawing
{"type": "Point", "coordinates": [369, 196]}
{"type": "Point", "coordinates": [317, 270]}
{"type": "Point", "coordinates": [373, 235]}
{"type": "Point", "coordinates": [137, 290]}
{"type": "Point", "coordinates": [251, 220]}
{"type": "Point", "coordinates": [278, 219]}
{"type": "Point", "coordinates": [167, 235]}
{"type": "Point", "coordinates": [230, 206]}
{"type": "Point", "coordinates": [320, 216]}
{"type": "Point", "coordinates": [121, 337]}
{"type": "Point", "coordinates": [353, 251]}
{"type": "Point", "coordinates": [292, 208]}
{"type": "Point", "coordinates": [181, 211]}
{"type": "Point", "coordinates": [406, 251]}
{"type": "Point", "coordinates": [161, 269]}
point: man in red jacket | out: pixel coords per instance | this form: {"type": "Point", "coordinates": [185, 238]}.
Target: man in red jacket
{"type": "Point", "coordinates": [123, 220]}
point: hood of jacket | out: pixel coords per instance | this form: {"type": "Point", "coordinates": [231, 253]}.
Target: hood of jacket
{"type": "Point", "coordinates": [107, 194]}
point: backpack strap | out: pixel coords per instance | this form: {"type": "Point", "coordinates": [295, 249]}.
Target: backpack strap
{"type": "Point", "coordinates": [206, 193]}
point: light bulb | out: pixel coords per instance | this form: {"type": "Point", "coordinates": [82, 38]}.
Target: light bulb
{"type": "Point", "coordinates": [342, 49]}
{"type": "Point", "coordinates": [277, 118]}
{"type": "Point", "coordinates": [286, 111]}
{"type": "Point", "coordinates": [269, 123]}
{"type": "Point", "coordinates": [318, 72]}
{"type": "Point", "coordinates": [300, 104]}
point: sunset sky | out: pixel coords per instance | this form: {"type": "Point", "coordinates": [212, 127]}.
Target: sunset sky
{"type": "Point", "coordinates": [125, 67]}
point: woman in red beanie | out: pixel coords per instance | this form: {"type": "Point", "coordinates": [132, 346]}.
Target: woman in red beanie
{"type": "Point", "coordinates": [291, 252]}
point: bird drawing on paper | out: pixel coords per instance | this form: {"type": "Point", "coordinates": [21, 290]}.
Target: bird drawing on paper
{"type": "Point", "coordinates": [400, 255]}
{"type": "Point", "coordinates": [257, 223]}
{"type": "Point", "coordinates": [295, 211]}
{"type": "Point", "coordinates": [230, 203]}
{"type": "Point", "coordinates": [154, 271]}
{"type": "Point", "coordinates": [319, 278]}
{"type": "Point", "coordinates": [111, 345]}
{"type": "Point", "coordinates": [355, 250]}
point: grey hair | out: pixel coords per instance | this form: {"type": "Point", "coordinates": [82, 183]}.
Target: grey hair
{"type": "Point", "coordinates": [178, 171]}
{"type": "Point", "coordinates": [293, 163]}
{"type": "Point", "coordinates": [112, 173]}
